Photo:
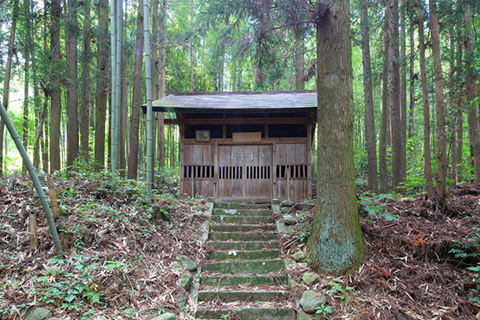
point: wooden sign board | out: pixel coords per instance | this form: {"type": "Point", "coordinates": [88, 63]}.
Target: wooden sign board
{"type": "Point", "coordinates": [202, 135]}
{"type": "Point", "coordinates": [246, 137]}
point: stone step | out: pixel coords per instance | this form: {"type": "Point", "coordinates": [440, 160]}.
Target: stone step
{"type": "Point", "coordinates": [242, 205]}
{"type": "Point", "coordinates": [269, 280]}
{"type": "Point", "coordinates": [241, 219]}
{"type": "Point", "coordinates": [242, 227]}
{"type": "Point", "coordinates": [241, 295]}
{"type": "Point", "coordinates": [242, 236]}
{"type": "Point", "coordinates": [243, 212]}
{"type": "Point", "coordinates": [243, 245]}
{"type": "Point", "coordinates": [249, 266]}
{"type": "Point", "coordinates": [244, 255]}
{"type": "Point", "coordinates": [250, 313]}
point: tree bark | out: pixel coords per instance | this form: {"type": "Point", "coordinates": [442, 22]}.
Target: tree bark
{"type": "Point", "coordinates": [452, 168]}
{"type": "Point", "coordinates": [394, 101]}
{"type": "Point", "coordinates": [103, 72]}
{"type": "Point", "coordinates": [161, 82]}
{"type": "Point", "coordinates": [470, 92]}
{"type": "Point", "coordinates": [299, 59]}
{"type": "Point", "coordinates": [137, 97]}
{"type": "Point", "coordinates": [8, 70]}
{"type": "Point", "coordinates": [403, 91]}
{"type": "Point", "coordinates": [384, 123]}
{"type": "Point", "coordinates": [335, 244]}
{"type": "Point", "coordinates": [459, 102]}
{"type": "Point", "coordinates": [426, 104]}
{"type": "Point", "coordinates": [411, 126]}
{"type": "Point", "coordinates": [123, 112]}
{"type": "Point", "coordinates": [71, 30]}
{"type": "Point", "coordinates": [85, 99]}
{"type": "Point", "coordinates": [441, 135]}
{"type": "Point", "coordinates": [370, 137]}
{"type": "Point", "coordinates": [192, 56]}
{"type": "Point", "coordinates": [56, 99]}
{"type": "Point", "coordinates": [28, 46]}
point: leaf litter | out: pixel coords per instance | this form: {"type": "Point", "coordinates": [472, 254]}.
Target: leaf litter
{"type": "Point", "coordinates": [120, 250]}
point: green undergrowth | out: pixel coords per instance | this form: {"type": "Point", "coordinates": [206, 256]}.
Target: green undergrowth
{"type": "Point", "coordinates": [112, 236]}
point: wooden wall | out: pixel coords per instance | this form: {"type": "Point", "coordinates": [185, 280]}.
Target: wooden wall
{"type": "Point", "coordinates": [268, 168]}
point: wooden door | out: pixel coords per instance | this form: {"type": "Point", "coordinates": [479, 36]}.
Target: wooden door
{"type": "Point", "coordinates": [245, 171]}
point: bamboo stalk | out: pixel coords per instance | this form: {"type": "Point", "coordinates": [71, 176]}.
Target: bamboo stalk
{"type": "Point", "coordinates": [148, 80]}
{"type": "Point", "coordinates": [33, 174]}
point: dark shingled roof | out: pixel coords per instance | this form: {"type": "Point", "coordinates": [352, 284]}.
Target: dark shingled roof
{"type": "Point", "coordinates": [241, 101]}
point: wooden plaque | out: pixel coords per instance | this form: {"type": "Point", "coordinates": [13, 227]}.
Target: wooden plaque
{"type": "Point", "coordinates": [202, 135]}
{"type": "Point", "coordinates": [243, 137]}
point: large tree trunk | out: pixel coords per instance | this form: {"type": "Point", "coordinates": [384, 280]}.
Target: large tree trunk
{"type": "Point", "coordinates": [137, 97]}
{"type": "Point", "coordinates": [426, 104]}
{"type": "Point", "coordinates": [102, 84]}
{"type": "Point", "coordinates": [384, 116]}
{"type": "Point", "coordinates": [85, 100]}
{"type": "Point", "coordinates": [442, 142]}
{"type": "Point", "coordinates": [71, 30]}
{"type": "Point", "coordinates": [335, 244]}
{"type": "Point", "coordinates": [370, 137]}
{"type": "Point", "coordinates": [394, 101]}
{"type": "Point", "coordinates": [8, 70]}
{"type": "Point", "coordinates": [470, 92]}
{"type": "Point", "coordinates": [56, 101]}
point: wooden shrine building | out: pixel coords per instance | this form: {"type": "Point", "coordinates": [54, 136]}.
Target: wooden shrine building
{"type": "Point", "coordinates": [244, 145]}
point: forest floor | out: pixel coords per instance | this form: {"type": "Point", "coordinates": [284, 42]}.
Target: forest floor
{"type": "Point", "coordinates": [121, 251]}
{"type": "Point", "coordinates": [416, 260]}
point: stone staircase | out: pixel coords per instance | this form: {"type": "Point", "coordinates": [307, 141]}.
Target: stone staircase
{"type": "Point", "coordinates": [244, 275]}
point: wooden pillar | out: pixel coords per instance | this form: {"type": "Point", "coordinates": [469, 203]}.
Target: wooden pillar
{"type": "Point", "coordinates": [181, 125]}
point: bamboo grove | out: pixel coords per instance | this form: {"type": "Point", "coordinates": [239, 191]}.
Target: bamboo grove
{"type": "Point", "coordinates": [415, 80]}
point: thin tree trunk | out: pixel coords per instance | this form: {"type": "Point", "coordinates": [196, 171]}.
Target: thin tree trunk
{"type": "Point", "coordinates": [370, 137]}
{"type": "Point", "coordinates": [85, 100]}
{"type": "Point", "coordinates": [56, 98]}
{"type": "Point", "coordinates": [8, 70]}
{"type": "Point", "coordinates": [452, 173]}
{"type": "Point", "coordinates": [442, 142]}
{"type": "Point", "coordinates": [137, 96]}
{"type": "Point", "coordinates": [335, 244]}
{"type": "Point", "coordinates": [71, 30]}
{"type": "Point", "coordinates": [459, 102]}
{"type": "Point", "coordinates": [44, 139]}
{"type": "Point", "coordinates": [470, 92]}
{"type": "Point", "coordinates": [403, 90]}
{"type": "Point", "coordinates": [299, 59]}
{"type": "Point", "coordinates": [192, 56]}
{"type": "Point", "coordinates": [426, 104]}
{"type": "Point", "coordinates": [28, 46]}
{"type": "Point", "coordinates": [161, 82]}
{"type": "Point", "coordinates": [384, 123]}
{"type": "Point", "coordinates": [38, 115]}
{"type": "Point", "coordinates": [411, 127]}
{"type": "Point", "coordinates": [123, 113]}
{"type": "Point", "coordinates": [102, 84]}
{"type": "Point", "coordinates": [394, 102]}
